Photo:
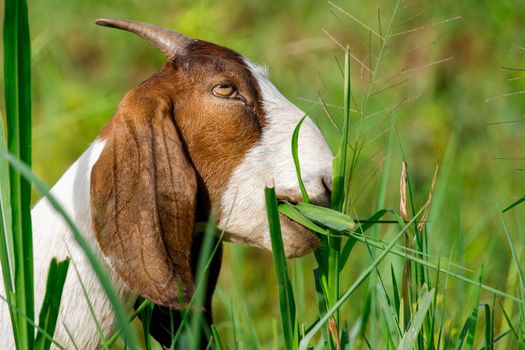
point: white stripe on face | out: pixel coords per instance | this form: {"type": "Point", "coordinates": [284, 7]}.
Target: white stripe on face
{"type": "Point", "coordinates": [270, 163]}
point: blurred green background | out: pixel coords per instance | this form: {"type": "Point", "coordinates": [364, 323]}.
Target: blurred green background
{"type": "Point", "coordinates": [444, 113]}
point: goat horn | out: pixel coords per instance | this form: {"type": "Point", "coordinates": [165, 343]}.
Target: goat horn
{"type": "Point", "coordinates": [168, 41]}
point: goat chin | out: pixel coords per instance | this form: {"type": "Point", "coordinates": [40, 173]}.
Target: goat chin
{"type": "Point", "coordinates": [52, 238]}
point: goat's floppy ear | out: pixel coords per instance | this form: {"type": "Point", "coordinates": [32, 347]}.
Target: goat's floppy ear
{"type": "Point", "coordinates": [143, 197]}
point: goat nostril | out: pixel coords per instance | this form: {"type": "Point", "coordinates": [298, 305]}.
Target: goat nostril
{"type": "Point", "coordinates": [327, 184]}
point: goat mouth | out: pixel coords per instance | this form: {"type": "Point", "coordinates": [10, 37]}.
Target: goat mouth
{"type": "Point", "coordinates": [287, 221]}
{"type": "Point", "coordinates": [290, 222]}
{"type": "Point", "coordinates": [292, 198]}
{"type": "Point", "coordinates": [297, 239]}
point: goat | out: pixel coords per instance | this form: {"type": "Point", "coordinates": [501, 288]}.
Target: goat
{"type": "Point", "coordinates": [207, 132]}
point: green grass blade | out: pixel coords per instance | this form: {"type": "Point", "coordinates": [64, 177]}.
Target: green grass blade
{"type": "Point", "coordinates": [286, 298]}
{"type": "Point", "coordinates": [509, 322]}
{"type": "Point", "coordinates": [17, 83]}
{"type": "Point", "coordinates": [388, 314]}
{"type": "Point", "coordinates": [339, 182]}
{"type": "Point", "coordinates": [496, 339]}
{"type": "Point", "coordinates": [6, 241]}
{"type": "Point", "coordinates": [326, 217]}
{"type": "Point", "coordinates": [56, 278]}
{"type": "Point", "coordinates": [409, 338]}
{"type": "Point", "coordinates": [469, 328]}
{"type": "Point", "coordinates": [340, 159]}
{"type": "Point", "coordinates": [492, 319]}
{"type": "Point", "coordinates": [338, 199]}
{"type": "Point", "coordinates": [295, 155]}
{"type": "Point", "coordinates": [514, 255]}
{"type": "Point", "coordinates": [395, 290]}
{"type": "Point", "coordinates": [293, 213]}
{"type": "Point", "coordinates": [488, 327]}
{"type": "Point", "coordinates": [216, 338]}
{"type": "Point", "coordinates": [299, 293]}
{"type": "Point", "coordinates": [345, 252]}
{"type": "Point", "coordinates": [202, 282]}
{"type": "Point", "coordinates": [234, 331]}
{"type": "Point", "coordinates": [463, 334]}
{"type": "Point", "coordinates": [433, 311]}
{"type": "Point", "coordinates": [6, 237]}
{"type": "Point", "coordinates": [364, 226]}
{"type": "Point", "coordinates": [322, 305]}
{"type": "Point", "coordinates": [145, 319]}
{"type": "Point", "coordinates": [382, 192]}
{"type": "Point", "coordinates": [118, 308]}
{"type": "Point", "coordinates": [516, 203]}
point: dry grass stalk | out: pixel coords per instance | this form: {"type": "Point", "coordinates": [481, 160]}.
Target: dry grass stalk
{"type": "Point", "coordinates": [403, 192]}
{"type": "Point", "coordinates": [332, 327]}
{"type": "Point", "coordinates": [429, 200]}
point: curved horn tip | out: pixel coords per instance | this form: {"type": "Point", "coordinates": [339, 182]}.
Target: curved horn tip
{"type": "Point", "coordinates": [102, 21]}
{"type": "Point", "coordinates": [106, 22]}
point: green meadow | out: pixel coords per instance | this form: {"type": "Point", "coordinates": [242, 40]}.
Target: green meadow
{"type": "Point", "coordinates": [422, 101]}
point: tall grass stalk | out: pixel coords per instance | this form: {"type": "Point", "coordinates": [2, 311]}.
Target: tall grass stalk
{"type": "Point", "coordinates": [339, 185]}
{"type": "Point", "coordinates": [18, 257]}
{"type": "Point", "coordinates": [201, 278]}
{"type": "Point", "coordinates": [51, 303]}
{"type": "Point", "coordinates": [286, 298]}
{"type": "Point", "coordinates": [410, 336]}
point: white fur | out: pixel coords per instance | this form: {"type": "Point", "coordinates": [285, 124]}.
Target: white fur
{"type": "Point", "coordinates": [52, 238]}
{"type": "Point", "coordinates": [270, 163]}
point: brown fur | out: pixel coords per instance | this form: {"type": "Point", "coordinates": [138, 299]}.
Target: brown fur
{"type": "Point", "coordinates": [169, 152]}
{"type": "Point", "coordinates": [143, 197]}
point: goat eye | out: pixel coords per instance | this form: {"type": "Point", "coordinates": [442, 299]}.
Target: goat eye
{"type": "Point", "coordinates": [224, 90]}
